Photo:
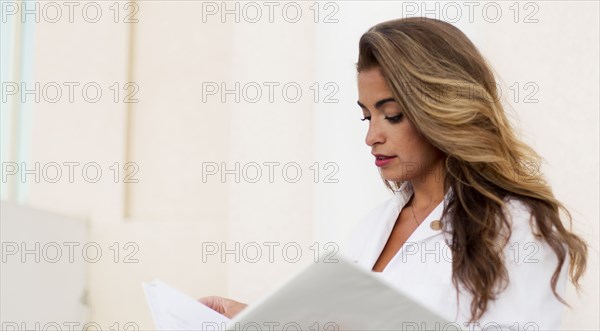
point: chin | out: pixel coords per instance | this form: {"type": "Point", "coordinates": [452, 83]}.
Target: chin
{"type": "Point", "coordinates": [392, 176]}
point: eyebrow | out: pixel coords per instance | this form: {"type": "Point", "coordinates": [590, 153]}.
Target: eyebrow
{"type": "Point", "coordinates": [378, 104]}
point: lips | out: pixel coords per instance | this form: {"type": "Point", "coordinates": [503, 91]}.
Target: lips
{"type": "Point", "coordinates": [382, 160]}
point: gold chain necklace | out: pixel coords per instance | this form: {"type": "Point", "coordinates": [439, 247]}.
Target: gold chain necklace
{"type": "Point", "coordinates": [413, 211]}
{"type": "Point", "coordinates": [415, 218]}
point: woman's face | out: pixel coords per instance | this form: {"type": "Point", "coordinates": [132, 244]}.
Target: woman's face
{"type": "Point", "coordinates": [404, 153]}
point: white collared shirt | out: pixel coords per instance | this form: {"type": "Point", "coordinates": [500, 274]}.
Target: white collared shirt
{"type": "Point", "coordinates": [422, 268]}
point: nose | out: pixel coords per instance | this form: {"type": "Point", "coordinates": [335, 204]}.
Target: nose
{"type": "Point", "coordinates": [374, 134]}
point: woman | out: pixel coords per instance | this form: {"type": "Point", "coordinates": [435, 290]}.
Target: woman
{"type": "Point", "coordinates": [473, 231]}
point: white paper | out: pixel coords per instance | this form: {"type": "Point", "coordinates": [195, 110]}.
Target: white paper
{"type": "Point", "coordinates": [173, 310]}
{"type": "Point", "coordinates": [322, 296]}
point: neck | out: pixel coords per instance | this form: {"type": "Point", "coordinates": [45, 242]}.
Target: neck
{"type": "Point", "coordinates": [429, 187]}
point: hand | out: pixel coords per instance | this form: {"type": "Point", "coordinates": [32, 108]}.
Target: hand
{"type": "Point", "coordinates": [227, 307]}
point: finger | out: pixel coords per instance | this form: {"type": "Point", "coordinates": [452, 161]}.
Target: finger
{"type": "Point", "coordinates": [212, 302]}
{"type": "Point", "coordinates": [232, 308]}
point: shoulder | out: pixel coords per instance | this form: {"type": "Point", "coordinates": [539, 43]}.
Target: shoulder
{"type": "Point", "coordinates": [526, 248]}
{"type": "Point", "coordinates": [519, 216]}
{"type": "Point", "coordinates": [522, 223]}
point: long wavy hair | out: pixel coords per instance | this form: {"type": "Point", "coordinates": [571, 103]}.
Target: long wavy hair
{"type": "Point", "coordinates": [447, 90]}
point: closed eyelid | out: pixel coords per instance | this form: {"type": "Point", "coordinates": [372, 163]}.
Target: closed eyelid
{"type": "Point", "coordinates": [398, 116]}
{"type": "Point", "coordinates": [391, 107]}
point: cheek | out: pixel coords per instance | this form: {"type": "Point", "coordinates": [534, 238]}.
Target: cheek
{"type": "Point", "coordinates": [408, 143]}
{"type": "Point", "coordinates": [427, 154]}
{"type": "Point", "coordinates": [412, 148]}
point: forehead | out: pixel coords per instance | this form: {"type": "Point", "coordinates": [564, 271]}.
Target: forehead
{"type": "Point", "coordinates": [372, 84]}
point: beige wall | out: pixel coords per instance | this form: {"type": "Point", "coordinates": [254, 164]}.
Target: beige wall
{"type": "Point", "coordinates": [170, 213]}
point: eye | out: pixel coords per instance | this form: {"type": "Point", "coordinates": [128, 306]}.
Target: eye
{"type": "Point", "coordinates": [395, 119]}
{"type": "Point", "coordinates": [368, 118]}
